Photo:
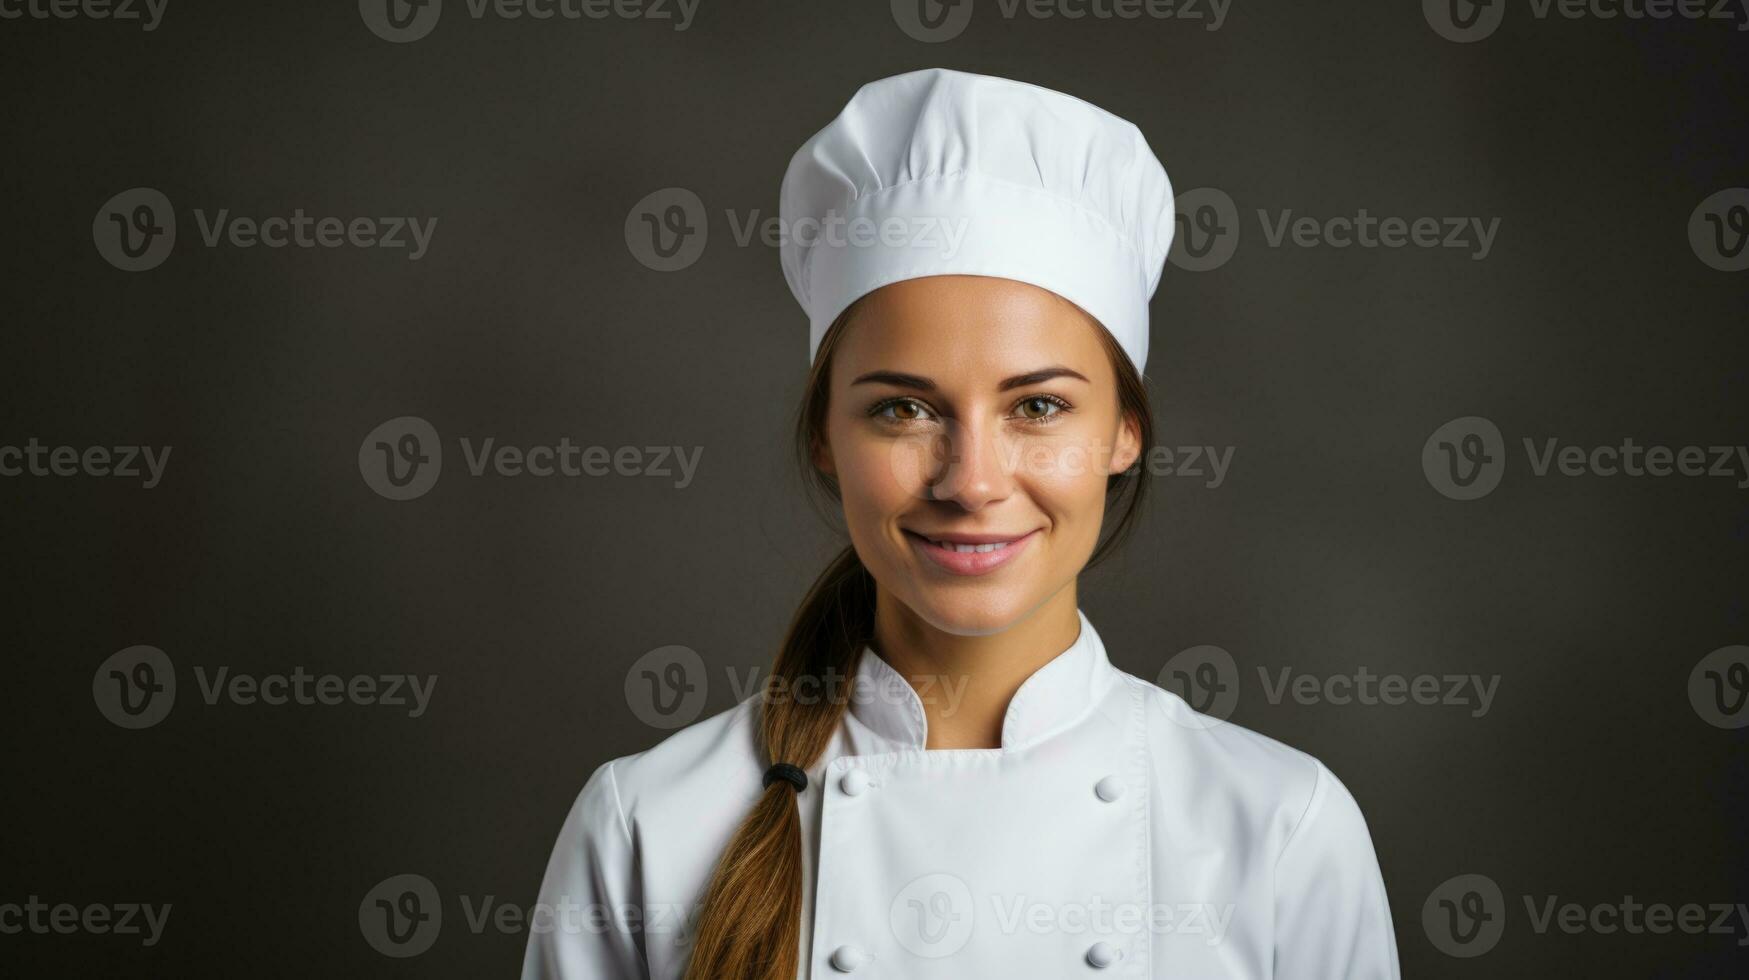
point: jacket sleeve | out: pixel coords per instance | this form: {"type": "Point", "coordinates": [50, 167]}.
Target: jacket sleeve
{"type": "Point", "coordinates": [1332, 918]}
{"type": "Point", "coordinates": [584, 925]}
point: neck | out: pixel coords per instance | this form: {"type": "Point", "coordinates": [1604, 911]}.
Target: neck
{"type": "Point", "coordinates": [966, 682]}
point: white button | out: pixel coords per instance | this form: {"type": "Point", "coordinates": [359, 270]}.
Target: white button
{"type": "Point", "coordinates": [854, 782]}
{"type": "Point", "coordinates": [847, 958]}
{"type": "Point", "coordinates": [1103, 955]}
{"type": "Point", "coordinates": [1109, 788]}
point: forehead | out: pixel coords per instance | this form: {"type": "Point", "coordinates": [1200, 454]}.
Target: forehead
{"type": "Point", "coordinates": [965, 329]}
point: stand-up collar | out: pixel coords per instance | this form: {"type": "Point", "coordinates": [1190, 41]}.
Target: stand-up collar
{"type": "Point", "coordinates": [1053, 698]}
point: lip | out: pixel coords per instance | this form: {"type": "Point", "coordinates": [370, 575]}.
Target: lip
{"type": "Point", "coordinates": [969, 562]}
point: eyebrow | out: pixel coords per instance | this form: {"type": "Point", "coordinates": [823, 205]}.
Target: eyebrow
{"type": "Point", "coordinates": [902, 380]}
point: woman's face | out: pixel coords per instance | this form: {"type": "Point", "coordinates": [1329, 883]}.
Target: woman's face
{"type": "Point", "coordinates": [972, 424]}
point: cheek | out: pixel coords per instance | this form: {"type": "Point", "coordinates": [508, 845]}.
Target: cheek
{"type": "Point", "coordinates": [1066, 478]}
{"type": "Point", "coordinates": [870, 481]}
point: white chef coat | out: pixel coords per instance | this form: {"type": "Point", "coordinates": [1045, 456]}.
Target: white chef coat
{"type": "Point", "coordinates": [1115, 833]}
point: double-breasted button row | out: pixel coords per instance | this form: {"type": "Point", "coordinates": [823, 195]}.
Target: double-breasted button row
{"type": "Point", "coordinates": [857, 781]}
{"type": "Point", "coordinates": [847, 959]}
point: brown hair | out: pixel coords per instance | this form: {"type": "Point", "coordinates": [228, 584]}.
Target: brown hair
{"type": "Point", "coordinates": [750, 926]}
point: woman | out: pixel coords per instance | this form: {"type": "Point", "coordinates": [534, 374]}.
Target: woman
{"type": "Point", "coordinates": [946, 776]}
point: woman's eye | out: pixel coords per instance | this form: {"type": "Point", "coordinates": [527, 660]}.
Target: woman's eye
{"type": "Point", "coordinates": [1039, 407]}
{"type": "Point", "coordinates": [901, 410]}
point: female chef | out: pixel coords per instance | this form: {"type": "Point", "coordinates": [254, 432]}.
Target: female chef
{"type": "Point", "coordinates": [945, 775]}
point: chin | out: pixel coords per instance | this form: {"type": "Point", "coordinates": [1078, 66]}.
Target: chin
{"type": "Point", "coordinates": [964, 612]}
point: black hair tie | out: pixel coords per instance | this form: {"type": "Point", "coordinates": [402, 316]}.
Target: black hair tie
{"type": "Point", "coordinates": [789, 774]}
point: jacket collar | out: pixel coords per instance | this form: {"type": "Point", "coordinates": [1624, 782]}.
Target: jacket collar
{"type": "Point", "coordinates": [1055, 697]}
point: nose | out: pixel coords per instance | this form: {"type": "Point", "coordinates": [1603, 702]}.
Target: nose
{"type": "Point", "coordinates": [971, 470]}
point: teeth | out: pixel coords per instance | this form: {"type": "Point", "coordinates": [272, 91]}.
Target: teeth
{"type": "Point", "coordinates": [970, 548]}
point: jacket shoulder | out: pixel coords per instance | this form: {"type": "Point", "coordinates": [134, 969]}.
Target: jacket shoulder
{"type": "Point", "coordinates": [1254, 773]}
{"type": "Point", "coordinates": [710, 765]}
{"type": "Point", "coordinates": [642, 837]}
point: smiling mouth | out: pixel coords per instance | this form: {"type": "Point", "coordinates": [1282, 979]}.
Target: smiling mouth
{"type": "Point", "coordinates": [969, 554]}
{"type": "Point", "coordinates": [966, 549]}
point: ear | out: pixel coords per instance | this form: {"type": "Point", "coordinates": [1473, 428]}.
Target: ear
{"type": "Point", "coordinates": [1129, 444]}
{"type": "Point", "coordinates": [821, 454]}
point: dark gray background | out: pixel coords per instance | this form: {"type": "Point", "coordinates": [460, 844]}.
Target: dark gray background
{"type": "Point", "coordinates": [1326, 549]}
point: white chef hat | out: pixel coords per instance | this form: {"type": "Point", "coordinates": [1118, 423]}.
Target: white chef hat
{"type": "Point", "coordinates": [938, 172]}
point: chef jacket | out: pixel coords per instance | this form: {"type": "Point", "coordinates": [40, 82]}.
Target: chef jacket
{"type": "Point", "coordinates": [1115, 833]}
